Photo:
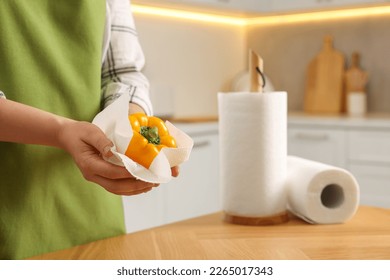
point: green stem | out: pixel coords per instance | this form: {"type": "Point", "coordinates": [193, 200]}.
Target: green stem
{"type": "Point", "coordinates": [151, 134]}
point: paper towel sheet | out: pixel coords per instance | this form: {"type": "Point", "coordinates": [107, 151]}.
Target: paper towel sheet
{"type": "Point", "coordinates": [320, 193]}
{"type": "Point", "coordinates": [253, 152]}
{"type": "Point", "coordinates": [114, 122]}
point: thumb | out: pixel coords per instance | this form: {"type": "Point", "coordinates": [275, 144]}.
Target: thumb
{"type": "Point", "coordinates": [107, 153]}
{"type": "Point", "coordinates": [100, 141]}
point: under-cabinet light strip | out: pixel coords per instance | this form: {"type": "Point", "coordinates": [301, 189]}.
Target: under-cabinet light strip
{"type": "Point", "coordinates": [181, 14]}
{"type": "Point", "coordinates": [321, 15]}
{"type": "Point", "coordinates": [260, 20]}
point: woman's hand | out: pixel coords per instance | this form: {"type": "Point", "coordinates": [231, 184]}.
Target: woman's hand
{"type": "Point", "coordinates": [88, 144]}
{"type": "Point", "coordinates": [85, 142]}
{"type": "Point", "coordinates": [175, 171]}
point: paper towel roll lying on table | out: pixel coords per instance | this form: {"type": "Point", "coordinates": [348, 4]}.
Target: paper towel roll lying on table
{"type": "Point", "coordinates": [253, 155]}
{"type": "Point", "coordinates": [320, 193]}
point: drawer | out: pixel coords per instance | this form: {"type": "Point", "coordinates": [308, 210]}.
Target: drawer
{"type": "Point", "coordinates": [323, 145]}
{"type": "Point", "coordinates": [374, 182]}
{"type": "Point", "coordinates": [369, 146]}
{"type": "Point", "coordinates": [196, 191]}
{"type": "Point", "coordinates": [143, 211]}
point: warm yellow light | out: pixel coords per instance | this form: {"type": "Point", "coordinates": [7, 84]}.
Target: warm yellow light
{"type": "Point", "coordinates": [264, 20]}
{"type": "Point", "coordinates": [180, 14]}
{"type": "Point", "coordinates": [321, 16]}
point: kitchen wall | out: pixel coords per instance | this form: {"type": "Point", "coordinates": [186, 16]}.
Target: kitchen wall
{"type": "Point", "coordinates": [288, 48]}
{"type": "Point", "coordinates": [189, 62]}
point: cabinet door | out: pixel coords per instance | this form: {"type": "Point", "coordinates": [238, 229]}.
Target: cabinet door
{"type": "Point", "coordinates": [369, 146]}
{"type": "Point", "coordinates": [369, 161]}
{"type": "Point", "coordinates": [223, 5]}
{"type": "Point", "coordinates": [323, 145]}
{"type": "Point", "coordinates": [196, 191]}
{"type": "Point", "coordinates": [145, 210]}
{"type": "Point", "coordinates": [283, 5]}
{"type": "Point", "coordinates": [374, 183]}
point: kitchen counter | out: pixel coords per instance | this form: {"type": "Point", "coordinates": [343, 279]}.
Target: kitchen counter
{"type": "Point", "coordinates": [202, 119]}
{"type": "Point", "coordinates": [196, 126]}
{"type": "Point", "coordinates": [370, 120]}
{"type": "Point", "coordinates": [365, 236]}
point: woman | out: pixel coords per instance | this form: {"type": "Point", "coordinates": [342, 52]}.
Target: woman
{"type": "Point", "coordinates": [55, 74]}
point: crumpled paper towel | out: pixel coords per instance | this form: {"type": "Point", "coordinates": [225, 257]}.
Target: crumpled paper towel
{"type": "Point", "coordinates": [114, 122]}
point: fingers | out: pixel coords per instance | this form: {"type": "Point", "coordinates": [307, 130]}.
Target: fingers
{"type": "Point", "coordinates": [99, 140]}
{"type": "Point", "coordinates": [175, 171]}
{"type": "Point", "coordinates": [86, 143]}
{"type": "Point", "coordinates": [130, 186]}
{"type": "Point", "coordinates": [91, 165]}
{"type": "Point", "coordinates": [115, 179]}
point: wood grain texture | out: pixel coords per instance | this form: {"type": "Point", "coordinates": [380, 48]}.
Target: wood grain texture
{"type": "Point", "coordinates": [365, 236]}
{"type": "Point", "coordinates": [258, 221]}
{"type": "Point", "coordinates": [255, 61]}
{"type": "Point", "coordinates": [324, 81]}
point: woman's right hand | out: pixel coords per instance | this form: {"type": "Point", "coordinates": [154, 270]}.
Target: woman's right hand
{"type": "Point", "coordinates": [84, 141]}
{"type": "Point", "coordinates": [87, 144]}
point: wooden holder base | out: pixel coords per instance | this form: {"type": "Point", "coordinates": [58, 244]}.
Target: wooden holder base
{"type": "Point", "coordinates": [257, 221]}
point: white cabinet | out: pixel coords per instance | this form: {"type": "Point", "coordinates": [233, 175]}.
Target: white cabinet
{"type": "Point", "coordinates": [369, 146]}
{"type": "Point", "coordinates": [361, 146]}
{"type": "Point", "coordinates": [324, 145]}
{"type": "Point", "coordinates": [374, 182]}
{"type": "Point", "coordinates": [233, 4]}
{"type": "Point", "coordinates": [145, 210]}
{"type": "Point", "coordinates": [243, 6]}
{"type": "Point", "coordinates": [300, 5]}
{"type": "Point", "coordinates": [369, 160]}
{"type": "Point", "coordinates": [236, 5]}
{"type": "Point", "coordinates": [194, 193]}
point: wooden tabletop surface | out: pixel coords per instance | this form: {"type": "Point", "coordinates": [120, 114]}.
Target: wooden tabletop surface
{"type": "Point", "coordinates": [365, 236]}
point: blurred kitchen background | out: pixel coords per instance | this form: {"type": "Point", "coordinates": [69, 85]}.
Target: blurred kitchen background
{"type": "Point", "coordinates": [197, 48]}
{"type": "Point", "coordinates": [191, 60]}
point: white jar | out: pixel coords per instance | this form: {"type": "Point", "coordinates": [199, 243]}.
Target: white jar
{"type": "Point", "coordinates": [356, 103]}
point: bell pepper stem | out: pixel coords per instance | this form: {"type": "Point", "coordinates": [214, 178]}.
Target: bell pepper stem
{"type": "Point", "coordinates": [151, 134]}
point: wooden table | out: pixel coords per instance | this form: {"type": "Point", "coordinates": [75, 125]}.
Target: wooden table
{"type": "Point", "coordinates": [366, 236]}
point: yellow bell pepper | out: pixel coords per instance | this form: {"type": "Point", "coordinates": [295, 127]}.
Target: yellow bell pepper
{"type": "Point", "coordinates": [150, 135]}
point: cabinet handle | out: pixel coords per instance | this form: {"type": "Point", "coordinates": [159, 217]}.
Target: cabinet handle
{"type": "Point", "coordinates": [312, 137]}
{"type": "Point", "coordinates": [201, 144]}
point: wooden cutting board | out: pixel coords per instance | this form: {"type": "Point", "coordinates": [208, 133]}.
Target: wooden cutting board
{"type": "Point", "coordinates": [324, 81]}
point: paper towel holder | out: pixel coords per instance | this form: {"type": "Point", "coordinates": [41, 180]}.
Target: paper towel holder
{"type": "Point", "coordinates": [260, 72]}
{"type": "Point", "coordinates": [256, 84]}
{"type": "Point", "coordinates": [256, 65]}
{"type": "Point", "coordinates": [257, 221]}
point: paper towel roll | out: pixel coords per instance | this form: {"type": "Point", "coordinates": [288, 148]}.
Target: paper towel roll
{"type": "Point", "coordinates": [320, 193]}
{"type": "Point", "coordinates": [253, 153]}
